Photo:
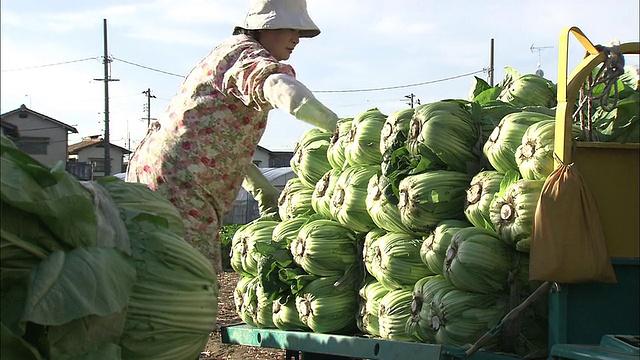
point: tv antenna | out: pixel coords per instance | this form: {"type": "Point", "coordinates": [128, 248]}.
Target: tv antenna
{"type": "Point", "coordinates": [539, 50]}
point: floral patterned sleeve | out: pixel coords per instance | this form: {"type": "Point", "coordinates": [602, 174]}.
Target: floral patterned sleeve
{"type": "Point", "coordinates": [244, 68]}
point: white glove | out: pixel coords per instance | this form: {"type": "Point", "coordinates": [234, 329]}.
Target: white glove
{"type": "Point", "coordinates": [262, 190]}
{"type": "Point", "coordinates": [286, 93]}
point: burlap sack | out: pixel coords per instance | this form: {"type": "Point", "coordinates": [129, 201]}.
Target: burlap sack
{"type": "Point", "coordinates": [568, 243]}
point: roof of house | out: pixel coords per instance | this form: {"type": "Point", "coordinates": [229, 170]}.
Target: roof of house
{"type": "Point", "coordinates": [90, 142]}
{"type": "Point", "coordinates": [274, 173]}
{"type": "Point", "coordinates": [274, 152]}
{"type": "Point", "coordinates": [271, 174]}
{"type": "Point", "coordinates": [23, 108]}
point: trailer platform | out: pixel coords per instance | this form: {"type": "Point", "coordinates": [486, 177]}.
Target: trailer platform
{"type": "Point", "coordinates": [315, 346]}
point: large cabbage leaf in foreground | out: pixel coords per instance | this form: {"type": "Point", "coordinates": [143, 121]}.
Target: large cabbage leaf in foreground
{"type": "Point", "coordinates": [96, 270]}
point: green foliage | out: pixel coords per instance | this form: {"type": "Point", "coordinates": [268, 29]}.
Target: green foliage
{"type": "Point", "coordinates": [227, 232]}
{"type": "Point", "coordinates": [226, 237]}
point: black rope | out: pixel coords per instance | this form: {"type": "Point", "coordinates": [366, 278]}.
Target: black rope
{"type": "Point", "coordinates": [607, 75]}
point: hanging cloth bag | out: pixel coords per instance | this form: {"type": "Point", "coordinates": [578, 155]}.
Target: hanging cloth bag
{"type": "Point", "coordinates": [568, 244]}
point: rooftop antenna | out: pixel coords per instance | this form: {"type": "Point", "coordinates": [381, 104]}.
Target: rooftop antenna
{"type": "Point", "coordinates": [539, 49]}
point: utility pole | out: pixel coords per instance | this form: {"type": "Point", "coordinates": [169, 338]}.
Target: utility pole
{"type": "Point", "coordinates": [128, 142]}
{"type": "Point", "coordinates": [411, 98]}
{"type": "Point", "coordinates": [491, 64]}
{"type": "Point", "coordinates": [149, 96]}
{"type": "Point", "coordinates": [106, 79]}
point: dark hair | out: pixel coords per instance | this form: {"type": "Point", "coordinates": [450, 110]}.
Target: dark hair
{"type": "Point", "coordinates": [255, 34]}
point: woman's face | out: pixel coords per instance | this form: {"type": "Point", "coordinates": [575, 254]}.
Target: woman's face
{"type": "Point", "coordinates": [280, 42]}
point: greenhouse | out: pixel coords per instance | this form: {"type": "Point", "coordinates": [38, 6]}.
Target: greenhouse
{"type": "Point", "coordinates": [245, 208]}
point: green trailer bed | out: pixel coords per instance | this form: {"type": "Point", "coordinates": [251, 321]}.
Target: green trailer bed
{"type": "Point", "coordinates": [327, 346]}
{"type": "Point", "coordinates": [586, 321]}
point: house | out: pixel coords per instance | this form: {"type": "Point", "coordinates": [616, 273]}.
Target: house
{"type": "Point", "coordinates": [86, 158]}
{"type": "Point", "coordinates": [264, 158]}
{"type": "Point", "coordinates": [42, 137]}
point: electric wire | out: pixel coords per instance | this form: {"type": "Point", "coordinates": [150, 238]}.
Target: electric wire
{"type": "Point", "coordinates": [148, 68]}
{"type": "Point", "coordinates": [401, 86]}
{"type": "Point", "coordinates": [46, 65]}
{"type": "Point", "coordinates": [315, 91]}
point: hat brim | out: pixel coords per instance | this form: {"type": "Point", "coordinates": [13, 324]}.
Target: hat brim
{"type": "Point", "coordinates": [305, 33]}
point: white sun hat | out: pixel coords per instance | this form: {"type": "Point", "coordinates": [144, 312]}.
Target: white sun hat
{"type": "Point", "coordinates": [279, 14]}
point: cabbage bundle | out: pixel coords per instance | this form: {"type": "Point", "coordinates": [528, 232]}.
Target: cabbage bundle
{"type": "Point", "coordinates": [348, 202]}
{"type": "Point", "coordinates": [295, 199]}
{"type": "Point", "coordinates": [430, 197]}
{"type": "Point", "coordinates": [370, 293]}
{"type": "Point", "coordinates": [285, 315]}
{"type": "Point", "coordinates": [419, 324]}
{"type": "Point", "coordinates": [527, 90]}
{"type": "Point", "coordinates": [309, 159]}
{"type": "Point", "coordinates": [394, 260]}
{"type": "Point", "coordinates": [245, 257]}
{"type": "Point", "coordinates": [97, 269]}
{"type": "Point", "coordinates": [483, 187]}
{"type": "Point", "coordinates": [395, 129]}
{"type": "Point", "coordinates": [513, 211]}
{"type": "Point", "coordinates": [362, 145]}
{"type": "Point", "coordinates": [322, 193]}
{"type": "Point", "coordinates": [461, 317]}
{"type": "Point", "coordinates": [368, 248]}
{"type": "Point", "coordinates": [384, 214]}
{"type": "Point", "coordinates": [534, 156]}
{"type": "Point", "coordinates": [256, 307]}
{"type": "Point", "coordinates": [434, 247]}
{"type": "Point", "coordinates": [329, 305]}
{"type": "Point", "coordinates": [336, 150]}
{"type": "Point", "coordinates": [444, 133]}
{"type": "Point", "coordinates": [500, 148]}
{"type": "Point", "coordinates": [394, 312]}
{"type": "Point", "coordinates": [325, 248]}
{"type": "Point", "coordinates": [286, 231]}
{"type": "Point", "coordinates": [244, 298]}
{"type": "Point", "coordinates": [478, 261]}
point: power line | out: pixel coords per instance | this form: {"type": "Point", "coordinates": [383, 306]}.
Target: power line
{"type": "Point", "coordinates": [60, 63]}
{"type": "Point", "coordinates": [148, 68]}
{"type": "Point", "coordinates": [400, 86]}
{"type": "Point", "coordinates": [95, 58]}
{"type": "Point", "coordinates": [331, 91]}
{"type": "Point", "coordinates": [315, 91]}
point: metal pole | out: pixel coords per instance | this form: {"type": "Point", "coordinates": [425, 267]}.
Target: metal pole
{"type": "Point", "coordinates": [491, 65]}
{"type": "Point", "coordinates": [149, 96]}
{"type": "Point", "coordinates": [411, 97]}
{"type": "Point", "coordinates": [107, 143]}
{"type": "Point", "coordinates": [148, 107]}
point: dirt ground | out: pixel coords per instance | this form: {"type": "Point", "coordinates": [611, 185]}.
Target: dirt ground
{"type": "Point", "coordinates": [227, 315]}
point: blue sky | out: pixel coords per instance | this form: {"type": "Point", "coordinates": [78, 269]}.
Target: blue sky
{"type": "Point", "coordinates": [51, 52]}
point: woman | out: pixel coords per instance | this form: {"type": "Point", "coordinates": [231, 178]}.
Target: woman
{"type": "Point", "coordinates": [200, 150]}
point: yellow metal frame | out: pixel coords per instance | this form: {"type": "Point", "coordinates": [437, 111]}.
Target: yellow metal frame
{"type": "Point", "coordinates": [569, 86]}
{"type": "Point", "coordinates": [610, 170]}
